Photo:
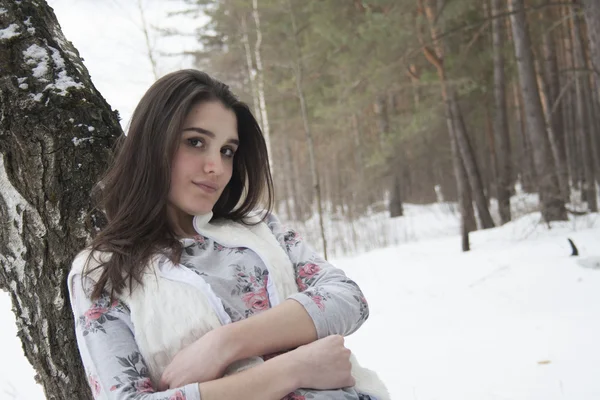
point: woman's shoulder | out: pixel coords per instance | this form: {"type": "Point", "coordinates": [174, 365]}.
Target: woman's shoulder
{"type": "Point", "coordinates": [88, 261]}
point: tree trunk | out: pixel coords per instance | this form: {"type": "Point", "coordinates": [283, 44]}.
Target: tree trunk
{"type": "Point", "coordinates": [298, 71]}
{"type": "Point", "coordinates": [591, 11]}
{"type": "Point", "coordinates": [584, 123]}
{"type": "Point", "coordinates": [552, 204]}
{"type": "Point", "coordinates": [555, 144]}
{"type": "Point", "coordinates": [250, 70]}
{"type": "Point", "coordinates": [290, 181]}
{"type": "Point", "coordinates": [260, 77]}
{"type": "Point", "coordinates": [468, 157]}
{"type": "Point", "coordinates": [553, 116]}
{"type": "Point", "coordinates": [396, 208]}
{"type": "Point", "coordinates": [525, 160]}
{"type": "Point", "coordinates": [453, 122]}
{"type": "Point", "coordinates": [383, 124]}
{"type": "Point", "coordinates": [501, 134]}
{"type": "Point", "coordinates": [568, 109]}
{"type": "Point", "coordinates": [56, 133]}
{"type": "Point", "coordinates": [359, 180]}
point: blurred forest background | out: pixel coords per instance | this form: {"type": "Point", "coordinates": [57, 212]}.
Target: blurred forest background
{"type": "Point", "coordinates": [369, 104]}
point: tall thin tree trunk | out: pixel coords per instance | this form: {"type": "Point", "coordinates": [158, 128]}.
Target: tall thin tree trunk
{"type": "Point", "coordinates": [358, 159]}
{"type": "Point", "coordinates": [555, 144]}
{"type": "Point", "coordinates": [462, 184]}
{"type": "Point", "coordinates": [583, 121]}
{"type": "Point", "coordinates": [552, 204]}
{"type": "Point", "coordinates": [501, 135]}
{"type": "Point", "coordinates": [298, 72]}
{"type": "Point", "coordinates": [260, 77]}
{"type": "Point", "coordinates": [464, 147]}
{"type": "Point", "coordinates": [568, 105]}
{"type": "Point", "coordinates": [591, 11]}
{"type": "Point", "coordinates": [302, 207]}
{"type": "Point", "coordinates": [250, 70]}
{"type": "Point", "coordinates": [525, 160]}
{"type": "Point", "coordinates": [48, 167]}
{"type": "Point", "coordinates": [550, 88]}
{"type": "Point", "coordinates": [149, 46]}
{"type": "Point", "coordinates": [383, 124]}
{"type": "Point", "coordinates": [289, 179]}
{"type": "Point", "coordinates": [468, 156]}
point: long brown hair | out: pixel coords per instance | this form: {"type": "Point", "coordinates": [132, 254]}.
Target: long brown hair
{"type": "Point", "coordinates": [133, 194]}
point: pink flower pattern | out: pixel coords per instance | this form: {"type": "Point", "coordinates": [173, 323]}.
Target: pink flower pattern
{"type": "Point", "coordinates": [144, 386]}
{"type": "Point", "coordinates": [98, 314]}
{"type": "Point", "coordinates": [257, 301]}
{"type": "Point", "coordinates": [94, 385]}
{"type": "Point", "coordinates": [309, 270]}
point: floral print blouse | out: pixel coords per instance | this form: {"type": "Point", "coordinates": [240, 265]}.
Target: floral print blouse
{"type": "Point", "coordinates": [105, 333]}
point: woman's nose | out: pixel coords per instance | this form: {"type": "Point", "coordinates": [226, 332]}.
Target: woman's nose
{"type": "Point", "coordinates": [213, 164]}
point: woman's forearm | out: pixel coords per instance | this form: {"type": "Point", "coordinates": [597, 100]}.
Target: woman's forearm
{"type": "Point", "coordinates": [271, 380]}
{"type": "Point", "coordinates": [283, 327]}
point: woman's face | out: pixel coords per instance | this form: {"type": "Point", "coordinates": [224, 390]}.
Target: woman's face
{"type": "Point", "coordinates": [203, 162]}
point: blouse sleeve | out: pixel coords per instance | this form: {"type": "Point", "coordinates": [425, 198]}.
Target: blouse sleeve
{"type": "Point", "coordinates": [110, 355]}
{"type": "Point", "coordinates": [334, 302]}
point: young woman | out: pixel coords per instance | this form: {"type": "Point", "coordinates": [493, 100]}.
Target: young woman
{"type": "Point", "coordinates": [188, 292]}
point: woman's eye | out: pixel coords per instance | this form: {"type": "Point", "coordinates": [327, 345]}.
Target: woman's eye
{"type": "Point", "coordinates": [195, 142]}
{"type": "Point", "coordinates": [227, 152]}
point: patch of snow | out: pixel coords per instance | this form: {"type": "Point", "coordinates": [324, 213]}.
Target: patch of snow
{"type": "Point", "coordinates": [63, 83]}
{"type": "Point", "coordinates": [10, 32]}
{"type": "Point", "coordinates": [30, 27]}
{"type": "Point", "coordinates": [57, 58]}
{"type": "Point", "coordinates": [91, 128]}
{"type": "Point", "coordinates": [3, 11]}
{"type": "Point", "coordinates": [38, 57]}
{"type": "Point", "coordinates": [23, 86]}
{"type": "Point", "coordinates": [77, 141]}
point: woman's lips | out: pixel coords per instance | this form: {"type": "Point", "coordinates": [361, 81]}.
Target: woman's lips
{"type": "Point", "coordinates": [207, 187]}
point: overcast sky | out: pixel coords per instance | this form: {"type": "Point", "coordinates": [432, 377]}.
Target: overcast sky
{"type": "Point", "coordinates": [109, 37]}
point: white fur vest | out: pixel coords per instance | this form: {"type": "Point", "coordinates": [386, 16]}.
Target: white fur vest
{"type": "Point", "coordinates": [174, 306]}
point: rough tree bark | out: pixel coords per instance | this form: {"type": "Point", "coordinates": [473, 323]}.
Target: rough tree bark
{"type": "Point", "coordinates": [552, 204]}
{"type": "Point", "coordinates": [56, 132]}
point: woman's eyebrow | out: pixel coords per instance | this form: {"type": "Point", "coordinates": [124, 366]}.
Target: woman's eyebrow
{"type": "Point", "coordinates": [210, 134]}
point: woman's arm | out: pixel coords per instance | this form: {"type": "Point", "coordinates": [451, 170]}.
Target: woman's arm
{"type": "Point", "coordinates": [329, 303]}
{"type": "Point", "coordinates": [324, 364]}
{"type": "Point", "coordinates": [280, 328]}
{"type": "Point", "coordinates": [272, 380]}
{"type": "Point", "coordinates": [111, 358]}
{"type": "Point", "coordinates": [334, 302]}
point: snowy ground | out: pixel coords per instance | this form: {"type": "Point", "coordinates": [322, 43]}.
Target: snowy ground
{"type": "Point", "coordinates": [516, 318]}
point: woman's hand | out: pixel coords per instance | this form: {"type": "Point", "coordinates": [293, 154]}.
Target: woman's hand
{"type": "Point", "coordinates": [204, 360]}
{"type": "Point", "coordinates": [323, 364]}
